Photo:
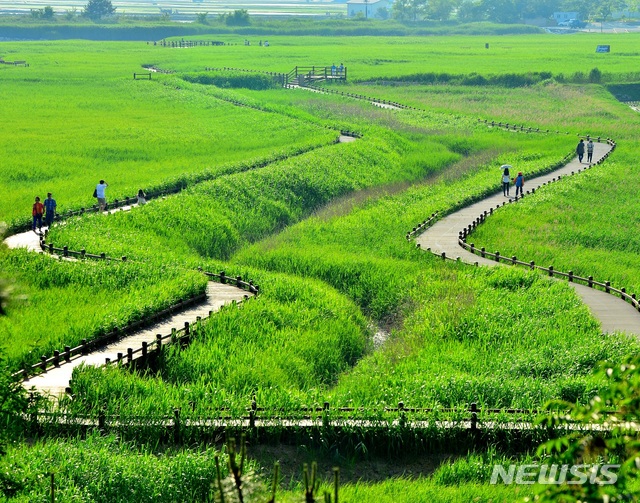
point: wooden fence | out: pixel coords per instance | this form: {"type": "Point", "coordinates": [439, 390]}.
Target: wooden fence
{"type": "Point", "coordinates": [513, 260]}
{"type": "Point", "coordinates": [414, 418]}
{"type": "Point", "coordinates": [188, 43]}
{"type": "Point", "coordinates": [86, 346]}
{"type": "Point", "coordinates": [14, 63]}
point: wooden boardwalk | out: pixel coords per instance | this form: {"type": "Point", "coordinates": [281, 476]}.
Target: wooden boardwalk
{"type": "Point", "coordinates": [614, 314]}
{"type": "Point", "coordinates": [31, 240]}
{"type": "Point", "coordinates": [54, 382]}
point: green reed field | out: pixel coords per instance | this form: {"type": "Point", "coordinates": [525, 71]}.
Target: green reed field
{"type": "Point", "coordinates": [74, 117]}
{"type": "Point", "coordinates": [356, 246]}
{"type": "Point", "coordinates": [350, 312]}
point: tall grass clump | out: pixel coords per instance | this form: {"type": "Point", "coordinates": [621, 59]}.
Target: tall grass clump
{"type": "Point", "coordinates": [255, 81]}
{"type": "Point", "coordinates": [283, 348]}
{"type": "Point", "coordinates": [105, 469]}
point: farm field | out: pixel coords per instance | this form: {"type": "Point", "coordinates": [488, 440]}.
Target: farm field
{"type": "Point", "coordinates": [350, 312]}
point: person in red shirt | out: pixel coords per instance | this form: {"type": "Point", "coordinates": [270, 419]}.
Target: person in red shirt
{"type": "Point", "coordinates": [38, 210]}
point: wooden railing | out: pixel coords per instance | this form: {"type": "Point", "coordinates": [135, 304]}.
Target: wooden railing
{"type": "Point", "coordinates": [307, 75]}
{"type": "Point", "coordinates": [529, 129]}
{"type": "Point", "coordinates": [86, 346]}
{"type": "Point", "coordinates": [188, 43]}
{"type": "Point", "coordinates": [472, 418]}
{"type": "Point", "coordinates": [14, 63]}
{"type": "Point", "coordinates": [60, 357]}
{"type": "Point", "coordinates": [513, 260]}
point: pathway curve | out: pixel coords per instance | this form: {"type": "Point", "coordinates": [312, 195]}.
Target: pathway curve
{"type": "Point", "coordinates": [613, 313]}
{"type": "Point", "coordinates": [31, 240]}
{"type": "Point", "coordinates": [54, 382]}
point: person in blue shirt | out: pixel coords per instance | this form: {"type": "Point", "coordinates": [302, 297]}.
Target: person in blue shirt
{"type": "Point", "coordinates": [519, 184]}
{"type": "Point", "coordinates": [101, 195]}
{"type": "Point", "coordinates": [50, 210]}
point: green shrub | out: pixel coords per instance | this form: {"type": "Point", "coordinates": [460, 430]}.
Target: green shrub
{"type": "Point", "coordinates": [255, 81]}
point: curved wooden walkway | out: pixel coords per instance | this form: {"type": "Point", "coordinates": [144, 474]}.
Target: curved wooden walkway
{"type": "Point", "coordinates": [614, 314]}
{"type": "Point", "coordinates": [31, 240]}
{"type": "Point", "coordinates": [55, 381]}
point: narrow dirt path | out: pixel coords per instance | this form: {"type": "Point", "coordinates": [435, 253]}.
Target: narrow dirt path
{"type": "Point", "coordinates": [379, 104]}
{"type": "Point", "coordinates": [614, 314]}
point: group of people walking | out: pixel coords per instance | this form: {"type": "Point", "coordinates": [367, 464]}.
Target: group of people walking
{"type": "Point", "coordinates": [518, 181]}
{"type": "Point", "coordinates": [582, 147]}
{"type": "Point", "coordinates": [48, 208]}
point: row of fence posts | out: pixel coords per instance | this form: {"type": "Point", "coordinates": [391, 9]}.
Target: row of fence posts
{"type": "Point", "coordinates": [403, 423]}
{"type": "Point", "coordinates": [515, 127]}
{"type": "Point", "coordinates": [188, 43]}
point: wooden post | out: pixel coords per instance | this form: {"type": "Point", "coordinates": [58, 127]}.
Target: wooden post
{"type": "Point", "coordinates": [176, 425]}
{"type": "Point", "coordinates": [325, 415]}
{"type": "Point", "coordinates": [129, 355]}
{"type": "Point", "coordinates": [607, 286]}
{"type": "Point", "coordinates": [474, 417]}
{"type": "Point", "coordinates": [403, 417]}
{"type": "Point", "coordinates": [102, 421]}
{"type": "Point", "coordinates": [570, 276]}
{"type": "Point", "coordinates": [159, 341]}
{"type": "Point", "coordinates": [551, 270]}
{"type": "Point", "coordinates": [67, 353]}
{"type": "Point", "coordinates": [590, 280]}
{"type": "Point", "coordinates": [56, 358]}
{"type": "Point", "coordinates": [497, 256]}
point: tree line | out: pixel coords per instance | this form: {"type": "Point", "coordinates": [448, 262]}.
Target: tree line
{"type": "Point", "coordinates": [505, 11]}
